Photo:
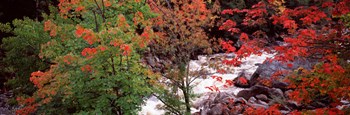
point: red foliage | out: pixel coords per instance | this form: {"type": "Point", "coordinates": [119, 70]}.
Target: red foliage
{"type": "Point", "coordinates": [272, 110]}
{"type": "Point", "coordinates": [309, 32]}
{"type": "Point", "coordinates": [86, 68]}
{"type": "Point", "coordinates": [36, 77]}
{"type": "Point", "coordinates": [243, 80]}
{"type": "Point", "coordinates": [68, 59]}
{"type": "Point", "coordinates": [213, 88]}
{"type": "Point", "coordinates": [49, 26]}
{"type": "Point", "coordinates": [87, 34]}
{"type": "Point", "coordinates": [228, 83]}
{"type": "Point", "coordinates": [227, 46]}
{"type": "Point", "coordinates": [89, 52]}
{"type": "Point", "coordinates": [217, 78]}
{"type": "Point", "coordinates": [126, 49]}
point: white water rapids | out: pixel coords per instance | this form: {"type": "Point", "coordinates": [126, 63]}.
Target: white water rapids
{"type": "Point", "coordinates": [200, 84]}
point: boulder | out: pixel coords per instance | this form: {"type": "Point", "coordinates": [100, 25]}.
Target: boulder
{"type": "Point", "coordinates": [280, 85]}
{"type": "Point", "coordinates": [270, 67]}
{"type": "Point", "coordinates": [262, 97]}
{"type": "Point", "coordinates": [216, 109]}
{"type": "Point", "coordinates": [253, 91]}
{"type": "Point", "coordinates": [252, 100]}
{"type": "Point", "coordinates": [275, 92]}
{"type": "Point", "coordinates": [255, 105]}
{"type": "Point", "coordinates": [240, 100]}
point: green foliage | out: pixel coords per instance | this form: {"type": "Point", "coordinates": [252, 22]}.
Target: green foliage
{"type": "Point", "coordinates": [94, 47]}
{"type": "Point", "coordinates": [21, 53]}
{"type": "Point", "coordinates": [5, 27]}
{"type": "Point", "coordinates": [346, 18]}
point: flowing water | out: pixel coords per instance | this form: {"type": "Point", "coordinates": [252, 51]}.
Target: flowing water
{"type": "Point", "coordinates": [249, 65]}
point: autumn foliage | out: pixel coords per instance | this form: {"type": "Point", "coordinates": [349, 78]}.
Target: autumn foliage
{"type": "Point", "coordinates": [94, 49]}
{"type": "Point", "coordinates": [94, 54]}
{"type": "Point", "coordinates": [312, 31]}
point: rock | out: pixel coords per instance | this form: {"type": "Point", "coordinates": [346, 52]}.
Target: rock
{"type": "Point", "coordinates": [253, 91]}
{"type": "Point", "coordinates": [258, 89]}
{"type": "Point", "coordinates": [280, 85]}
{"type": "Point", "coordinates": [157, 59]}
{"type": "Point", "coordinates": [318, 104]}
{"type": "Point", "coordinates": [286, 93]}
{"type": "Point", "coordinates": [292, 105]}
{"type": "Point", "coordinates": [236, 110]}
{"type": "Point", "coordinates": [262, 103]}
{"type": "Point", "coordinates": [341, 107]}
{"type": "Point", "coordinates": [252, 100]}
{"type": "Point", "coordinates": [238, 44]}
{"type": "Point", "coordinates": [240, 100]}
{"type": "Point", "coordinates": [275, 92]}
{"type": "Point", "coordinates": [216, 109]}
{"type": "Point", "coordinates": [284, 112]}
{"type": "Point", "coordinates": [5, 111]}
{"type": "Point", "coordinates": [324, 99]}
{"type": "Point", "coordinates": [217, 103]}
{"type": "Point", "coordinates": [246, 94]}
{"type": "Point", "coordinates": [309, 107]}
{"type": "Point", "coordinates": [255, 105]}
{"type": "Point", "coordinates": [267, 69]}
{"type": "Point", "coordinates": [222, 97]}
{"type": "Point", "coordinates": [262, 97]}
{"type": "Point", "coordinates": [150, 61]}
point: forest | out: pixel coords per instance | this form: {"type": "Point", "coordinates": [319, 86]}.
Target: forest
{"type": "Point", "coordinates": [175, 57]}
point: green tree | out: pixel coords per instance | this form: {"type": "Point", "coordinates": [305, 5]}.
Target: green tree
{"type": "Point", "coordinates": [21, 53]}
{"type": "Point", "coordinates": [94, 47]}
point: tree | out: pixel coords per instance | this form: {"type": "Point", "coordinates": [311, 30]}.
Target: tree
{"type": "Point", "coordinates": [308, 30]}
{"type": "Point", "coordinates": [21, 56]}
{"type": "Point", "coordinates": [94, 49]}
{"type": "Point", "coordinates": [180, 37]}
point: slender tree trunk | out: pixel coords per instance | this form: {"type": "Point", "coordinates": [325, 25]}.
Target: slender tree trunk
{"type": "Point", "coordinates": [187, 101]}
{"type": "Point", "coordinates": [186, 91]}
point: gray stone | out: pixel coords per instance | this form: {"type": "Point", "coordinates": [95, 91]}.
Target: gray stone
{"type": "Point", "coordinates": [286, 93]}
{"type": "Point", "coordinates": [309, 107]}
{"type": "Point", "coordinates": [150, 61]}
{"type": "Point", "coordinates": [222, 97]}
{"type": "Point", "coordinates": [262, 103]}
{"type": "Point", "coordinates": [240, 100]}
{"type": "Point", "coordinates": [280, 85]}
{"type": "Point", "coordinates": [262, 97]}
{"type": "Point", "coordinates": [255, 105]}
{"type": "Point", "coordinates": [253, 91]}
{"type": "Point", "coordinates": [267, 69]}
{"type": "Point", "coordinates": [284, 112]}
{"type": "Point", "coordinates": [216, 109]}
{"type": "Point", "coordinates": [318, 104]}
{"type": "Point", "coordinates": [292, 105]}
{"type": "Point", "coordinates": [252, 100]}
{"type": "Point", "coordinates": [5, 111]}
{"type": "Point", "coordinates": [275, 92]}
{"type": "Point", "coordinates": [237, 110]}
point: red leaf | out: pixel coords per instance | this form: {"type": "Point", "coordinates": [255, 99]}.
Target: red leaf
{"type": "Point", "coordinates": [79, 32]}
{"type": "Point", "coordinates": [244, 37]}
{"type": "Point", "coordinates": [243, 80]}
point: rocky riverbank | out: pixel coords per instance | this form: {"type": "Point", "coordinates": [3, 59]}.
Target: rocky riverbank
{"type": "Point", "coordinates": [5, 108]}
{"type": "Point", "coordinates": [248, 90]}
